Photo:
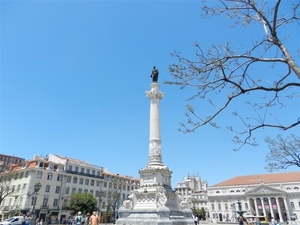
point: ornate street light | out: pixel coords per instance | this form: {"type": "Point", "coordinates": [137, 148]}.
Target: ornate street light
{"type": "Point", "coordinates": [36, 187]}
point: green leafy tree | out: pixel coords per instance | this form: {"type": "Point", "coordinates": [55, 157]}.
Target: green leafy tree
{"type": "Point", "coordinates": [259, 75]}
{"type": "Point", "coordinates": [195, 209]}
{"type": "Point", "coordinates": [284, 152]}
{"type": "Point", "coordinates": [84, 202]}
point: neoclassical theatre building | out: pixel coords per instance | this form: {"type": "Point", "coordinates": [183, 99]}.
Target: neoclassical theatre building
{"type": "Point", "coordinates": [274, 195]}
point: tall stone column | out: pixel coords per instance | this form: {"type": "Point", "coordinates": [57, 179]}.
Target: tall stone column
{"type": "Point", "coordinates": [155, 202]}
{"type": "Point", "coordinates": [271, 207]}
{"type": "Point", "coordinates": [279, 210]}
{"type": "Point", "coordinates": [263, 207]}
{"type": "Point", "coordinates": [256, 207]}
{"type": "Point", "coordinates": [155, 154]}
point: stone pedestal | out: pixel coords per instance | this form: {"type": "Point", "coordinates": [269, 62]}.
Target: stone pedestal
{"type": "Point", "coordinates": [155, 202]}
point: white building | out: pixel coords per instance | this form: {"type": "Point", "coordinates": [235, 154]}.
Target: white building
{"type": "Point", "coordinates": [274, 195]}
{"type": "Point", "coordinates": [194, 191]}
{"type": "Point", "coordinates": [59, 178]}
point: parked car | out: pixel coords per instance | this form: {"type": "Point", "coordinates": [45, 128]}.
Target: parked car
{"type": "Point", "coordinates": [15, 220]}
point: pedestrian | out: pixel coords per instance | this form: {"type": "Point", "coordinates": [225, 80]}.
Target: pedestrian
{"type": "Point", "coordinates": [195, 219]}
{"type": "Point", "coordinates": [23, 220]}
{"type": "Point", "coordinates": [94, 219]}
{"type": "Point", "coordinates": [78, 218]}
{"type": "Point", "coordinates": [241, 220]}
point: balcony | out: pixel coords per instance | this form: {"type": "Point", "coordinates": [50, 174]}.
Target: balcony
{"type": "Point", "coordinates": [44, 207]}
{"type": "Point", "coordinates": [85, 174]}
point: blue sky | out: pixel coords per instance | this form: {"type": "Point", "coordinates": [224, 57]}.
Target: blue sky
{"type": "Point", "coordinates": [74, 76]}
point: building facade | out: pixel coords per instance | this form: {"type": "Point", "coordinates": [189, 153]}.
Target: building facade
{"type": "Point", "coordinates": [6, 160]}
{"type": "Point", "coordinates": [60, 177]}
{"type": "Point", "coordinates": [193, 190]}
{"type": "Point", "coordinates": [265, 196]}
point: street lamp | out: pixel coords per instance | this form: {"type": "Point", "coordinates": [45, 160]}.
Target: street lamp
{"type": "Point", "coordinates": [36, 187]}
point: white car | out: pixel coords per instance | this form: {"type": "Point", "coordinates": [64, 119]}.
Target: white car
{"type": "Point", "coordinates": [15, 220]}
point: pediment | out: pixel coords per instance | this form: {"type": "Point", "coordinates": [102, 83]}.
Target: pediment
{"type": "Point", "coordinates": [264, 190]}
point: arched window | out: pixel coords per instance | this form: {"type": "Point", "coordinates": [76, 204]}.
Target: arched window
{"type": "Point", "coordinates": [217, 192]}
{"type": "Point", "coordinates": [231, 191]}
{"type": "Point", "coordinates": [296, 188]}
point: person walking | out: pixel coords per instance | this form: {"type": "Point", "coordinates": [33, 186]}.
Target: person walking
{"type": "Point", "coordinates": [78, 218]}
{"type": "Point", "coordinates": [94, 219]}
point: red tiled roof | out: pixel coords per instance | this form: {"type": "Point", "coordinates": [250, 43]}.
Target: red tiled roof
{"type": "Point", "coordinates": [261, 178]}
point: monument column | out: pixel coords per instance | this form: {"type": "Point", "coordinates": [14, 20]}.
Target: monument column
{"type": "Point", "coordinates": [155, 155]}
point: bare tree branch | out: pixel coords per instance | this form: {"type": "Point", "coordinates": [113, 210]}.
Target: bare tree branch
{"type": "Point", "coordinates": [265, 69]}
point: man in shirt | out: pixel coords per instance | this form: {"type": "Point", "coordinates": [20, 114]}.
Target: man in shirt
{"type": "Point", "coordinates": [94, 219]}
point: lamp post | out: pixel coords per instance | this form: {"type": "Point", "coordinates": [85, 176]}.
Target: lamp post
{"type": "Point", "coordinates": [36, 187]}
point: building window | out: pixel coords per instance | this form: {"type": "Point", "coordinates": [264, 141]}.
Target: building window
{"type": "Point", "coordinates": [128, 188]}
{"type": "Point", "coordinates": [41, 164]}
{"type": "Point", "coordinates": [49, 177]}
{"type": "Point", "coordinates": [97, 183]}
{"type": "Point", "coordinates": [93, 172]}
{"type": "Point", "coordinates": [219, 206]}
{"type": "Point", "coordinates": [57, 189]}
{"type": "Point", "coordinates": [92, 183]}
{"type": "Point", "coordinates": [81, 181]}
{"type": "Point", "coordinates": [33, 200]}
{"type": "Point", "coordinates": [67, 190]}
{"type": "Point", "coordinates": [45, 203]}
{"type": "Point", "coordinates": [70, 168]}
{"type": "Point", "coordinates": [292, 205]}
{"type": "Point", "coordinates": [226, 206]}
{"type": "Point", "coordinates": [47, 188]}
{"type": "Point", "coordinates": [27, 174]}
{"type": "Point", "coordinates": [51, 167]}
{"type": "Point", "coordinates": [124, 187]}
{"type": "Point", "coordinates": [79, 190]}
{"type": "Point", "coordinates": [246, 206]}
{"type": "Point", "coordinates": [75, 180]}
{"type": "Point", "coordinates": [105, 184]}
{"type": "Point", "coordinates": [86, 190]}
{"type": "Point", "coordinates": [68, 179]}
{"type": "Point", "coordinates": [92, 192]}
{"type": "Point", "coordinates": [73, 190]}
{"type": "Point", "coordinates": [110, 185]}
{"type": "Point", "coordinates": [55, 202]}
{"type": "Point", "coordinates": [39, 175]}
{"type": "Point", "coordinates": [24, 186]}
{"type": "Point", "coordinates": [21, 175]}
{"type": "Point", "coordinates": [76, 168]}
{"type": "Point", "coordinates": [88, 171]}
{"type": "Point", "coordinates": [82, 170]}
{"type": "Point", "coordinates": [19, 187]}
{"type": "Point", "coordinates": [87, 181]}
{"type": "Point", "coordinates": [59, 177]}
{"type": "Point", "coordinates": [212, 207]}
